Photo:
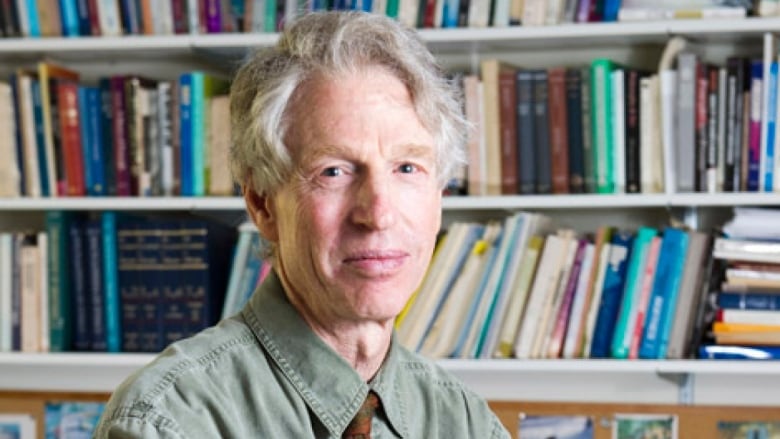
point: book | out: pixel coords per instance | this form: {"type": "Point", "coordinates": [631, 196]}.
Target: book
{"type": "Point", "coordinates": [541, 117]}
{"type": "Point", "coordinates": [754, 251]}
{"type": "Point", "coordinates": [559, 130]}
{"type": "Point", "coordinates": [490, 70]}
{"type": "Point", "coordinates": [601, 125]}
{"type": "Point", "coordinates": [574, 122]}
{"type": "Point", "coordinates": [686, 123]}
{"type": "Point", "coordinates": [60, 295]}
{"type": "Point", "coordinates": [727, 299]}
{"type": "Point", "coordinates": [736, 352]}
{"type": "Point", "coordinates": [611, 295]}
{"type": "Point", "coordinates": [624, 326]}
{"type": "Point", "coordinates": [526, 138]}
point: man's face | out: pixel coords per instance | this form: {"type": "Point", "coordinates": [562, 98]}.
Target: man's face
{"type": "Point", "coordinates": [356, 225]}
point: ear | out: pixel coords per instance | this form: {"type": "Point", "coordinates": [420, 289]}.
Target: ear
{"type": "Point", "coordinates": [262, 213]}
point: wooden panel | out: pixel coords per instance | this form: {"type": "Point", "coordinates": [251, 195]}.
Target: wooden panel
{"type": "Point", "coordinates": [693, 421]}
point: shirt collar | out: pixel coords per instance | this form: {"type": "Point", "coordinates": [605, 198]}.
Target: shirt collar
{"type": "Point", "coordinates": [331, 388]}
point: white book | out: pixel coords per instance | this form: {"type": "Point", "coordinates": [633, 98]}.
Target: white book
{"type": "Point", "coordinates": [501, 13]}
{"type": "Point", "coordinates": [29, 139]}
{"type": "Point", "coordinates": [44, 343]}
{"type": "Point", "coordinates": [407, 12]}
{"type": "Point", "coordinates": [550, 311]}
{"type": "Point", "coordinates": [721, 135]}
{"type": "Point", "coordinates": [668, 79]}
{"type": "Point", "coordinates": [578, 306]}
{"type": "Point", "coordinates": [412, 329]}
{"type": "Point", "coordinates": [595, 302]}
{"type": "Point", "coordinates": [534, 12]}
{"type": "Point", "coordinates": [750, 251]}
{"type": "Point", "coordinates": [109, 19]}
{"type": "Point", "coordinates": [6, 289]}
{"type": "Point", "coordinates": [651, 152]}
{"type": "Point", "coordinates": [546, 274]}
{"type": "Point", "coordinates": [441, 338]}
{"type": "Point", "coordinates": [237, 267]}
{"type": "Point", "coordinates": [163, 18]}
{"type": "Point", "coordinates": [617, 78]}
{"type": "Point", "coordinates": [750, 316]}
{"type": "Point", "coordinates": [9, 167]}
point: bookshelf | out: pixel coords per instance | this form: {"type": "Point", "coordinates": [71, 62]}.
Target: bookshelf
{"type": "Point", "coordinates": [574, 381]}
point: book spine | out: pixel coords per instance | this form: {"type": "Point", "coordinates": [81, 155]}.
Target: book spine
{"type": "Point", "coordinates": [543, 151]}
{"type": "Point", "coordinates": [110, 283]}
{"type": "Point", "coordinates": [677, 241]}
{"type": "Point", "coordinates": [574, 128]}
{"type": "Point", "coordinates": [757, 301]}
{"type": "Point", "coordinates": [587, 132]}
{"type": "Point", "coordinates": [559, 133]}
{"type": "Point", "coordinates": [526, 138]}
{"type": "Point", "coordinates": [601, 125]}
{"type": "Point", "coordinates": [507, 95]}
{"type": "Point", "coordinates": [179, 11]}
{"type": "Point", "coordinates": [82, 12]}
{"type": "Point", "coordinates": [633, 168]}
{"type": "Point", "coordinates": [129, 278]}
{"type": "Point", "coordinates": [95, 284]}
{"type": "Point", "coordinates": [611, 295]}
{"type": "Point", "coordinates": [648, 273]}
{"type": "Point", "coordinates": [107, 140]}
{"type": "Point", "coordinates": [33, 18]}
{"type": "Point", "coordinates": [94, 159]}
{"type": "Point", "coordinates": [754, 126]}
{"type": "Point", "coordinates": [768, 156]}
{"type": "Point", "coordinates": [130, 16]}
{"type": "Point", "coordinates": [48, 186]}
{"type": "Point", "coordinates": [686, 122]}
{"type": "Point", "coordinates": [70, 134]}
{"type": "Point", "coordinates": [564, 312]}
{"type": "Point", "coordinates": [60, 335]}
{"type": "Point", "coordinates": [120, 135]}
{"type": "Point", "coordinates": [70, 18]}
{"type": "Point", "coordinates": [185, 132]}
{"type": "Point", "coordinates": [82, 327]}
{"type": "Point", "coordinates": [213, 20]}
{"type": "Point", "coordinates": [16, 293]}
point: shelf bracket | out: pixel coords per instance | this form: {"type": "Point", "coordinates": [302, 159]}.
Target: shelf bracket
{"type": "Point", "coordinates": [684, 382]}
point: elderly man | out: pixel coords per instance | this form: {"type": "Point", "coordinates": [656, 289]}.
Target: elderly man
{"type": "Point", "coordinates": [344, 134]}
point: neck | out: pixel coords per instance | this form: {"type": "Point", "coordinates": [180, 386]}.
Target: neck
{"type": "Point", "coordinates": [364, 345]}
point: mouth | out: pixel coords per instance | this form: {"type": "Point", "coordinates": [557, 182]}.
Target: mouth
{"type": "Point", "coordinates": [376, 262]}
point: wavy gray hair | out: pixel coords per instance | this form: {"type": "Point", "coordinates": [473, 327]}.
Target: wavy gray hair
{"type": "Point", "coordinates": [328, 44]}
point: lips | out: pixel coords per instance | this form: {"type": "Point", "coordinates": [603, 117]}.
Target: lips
{"type": "Point", "coordinates": [376, 261]}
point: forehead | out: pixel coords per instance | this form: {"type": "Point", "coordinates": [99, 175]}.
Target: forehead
{"type": "Point", "coordinates": [369, 105]}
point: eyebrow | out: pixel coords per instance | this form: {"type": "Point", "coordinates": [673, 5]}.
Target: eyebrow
{"type": "Point", "coordinates": [402, 150]}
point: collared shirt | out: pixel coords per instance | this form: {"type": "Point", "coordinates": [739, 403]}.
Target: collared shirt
{"type": "Point", "coordinates": [264, 374]}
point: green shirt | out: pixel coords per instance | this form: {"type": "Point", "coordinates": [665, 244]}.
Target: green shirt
{"type": "Point", "coordinates": [264, 374]}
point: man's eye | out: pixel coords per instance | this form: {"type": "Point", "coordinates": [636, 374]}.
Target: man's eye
{"type": "Point", "coordinates": [332, 172]}
{"type": "Point", "coordinates": [407, 168]}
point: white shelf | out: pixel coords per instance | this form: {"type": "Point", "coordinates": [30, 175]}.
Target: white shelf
{"type": "Point", "coordinates": [745, 383]}
{"type": "Point", "coordinates": [439, 40]}
{"type": "Point", "coordinates": [510, 202]}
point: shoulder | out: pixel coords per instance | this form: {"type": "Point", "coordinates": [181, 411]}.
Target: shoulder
{"type": "Point", "coordinates": [183, 377]}
{"type": "Point", "coordinates": [442, 396]}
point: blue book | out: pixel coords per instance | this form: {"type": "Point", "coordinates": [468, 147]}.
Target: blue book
{"type": "Point", "coordinates": [624, 326]}
{"type": "Point", "coordinates": [81, 307]}
{"type": "Point", "coordinates": [769, 154]}
{"type": "Point", "coordinates": [111, 283]}
{"type": "Point", "coordinates": [611, 8]}
{"type": "Point", "coordinates": [69, 18]}
{"type": "Point", "coordinates": [611, 295]}
{"type": "Point", "coordinates": [106, 117]}
{"type": "Point", "coordinates": [197, 133]}
{"type": "Point", "coordinates": [727, 352]}
{"type": "Point", "coordinates": [33, 18]}
{"type": "Point", "coordinates": [450, 13]}
{"type": "Point", "coordinates": [185, 136]}
{"type": "Point", "coordinates": [93, 247]}
{"type": "Point", "coordinates": [60, 295]}
{"type": "Point", "coordinates": [43, 160]}
{"type": "Point", "coordinates": [130, 16]}
{"type": "Point", "coordinates": [733, 300]}
{"type": "Point", "coordinates": [361, 5]}
{"type": "Point", "coordinates": [663, 299]}
{"type": "Point", "coordinates": [92, 140]}
{"type": "Point", "coordinates": [82, 8]}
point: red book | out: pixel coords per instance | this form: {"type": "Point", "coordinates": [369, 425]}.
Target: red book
{"type": "Point", "coordinates": [507, 121]}
{"type": "Point", "coordinates": [70, 137]}
{"type": "Point", "coordinates": [121, 149]}
{"type": "Point", "coordinates": [94, 19]}
{"type": "Point", "coordinates": [559, 131]}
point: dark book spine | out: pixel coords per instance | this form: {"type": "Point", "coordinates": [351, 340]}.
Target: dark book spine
{"type": "Point", "coordinates": [213, 17]}
{"type": "Point", "coordinates": [587, 133]}
{"type": "Point", "coordinates": [16, 293]}
{"type": "Point", "coordinates": [56, 136]}
{"type": "Point", "coordinates": [558, 131]}
{"type": "Point", "coordinates": [82, 331]}
{"type": "Point", "coordinates": [94, 18]}
{"type": "Point", "coordinates": [507, 99]}
{"type": "Point", "coordinates": [94, 280]}
{"type": "Point", "coordinates": [574, 125]}
{"type": "Point", "coordinates": [180, 21]}
{"type": "Point", "coordinates": [43, 168]}
{"type": "Point", "coordinates": [526, 138]}
{"type": "Point", "coordinates": [60, 294]}
{"type": "Point", "coordinates": [542, 134]}
{"type": "Point", "coordinates": [128, 277]}
{"type": "Point", "coordinates": [754, 125]}
{"type": "Point", "coordinates": [10, 18]}
{"type": "Point", "coordinates": [85, 26]}
{"type": "Point", "coordinates": [701, 132]}
{"type": "Point", "coordinates": [107, 136]}
{"type": "Point", "coordinates": [17, 105]}
{"type": "Point", "coordinates": [124, 186]}
{"type": "Point", "coordinates": [748, 301]}
{"type": "Point", "coordinates": [711, 162]}
{"type": "Point", "coordinates": [632, 143]}
{"type": "Point", "coordinates": [729, 157]}
{"type": "Point", "coordinates": [128, 9]}
{"type": "Point", "coordinates": [612, 295]}
{"type": "Point", "coordinates": [741, 121]}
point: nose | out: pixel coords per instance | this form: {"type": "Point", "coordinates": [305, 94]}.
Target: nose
{"type": "Point", "coordinates": [374, 206]}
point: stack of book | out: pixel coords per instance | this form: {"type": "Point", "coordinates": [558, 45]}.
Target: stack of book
{"type": "Point", "coordinates": [747, 316]}
{"type": "Point", "coordinates": [522, 289]}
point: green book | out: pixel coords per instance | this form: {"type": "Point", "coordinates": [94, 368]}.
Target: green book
{"type": "Point", "coordinates": [60, 334]}
{"type": "Point", "coordinates": [601, 125]}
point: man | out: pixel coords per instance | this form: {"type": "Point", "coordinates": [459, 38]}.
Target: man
{"type": "Point", "coordinates": [344, 134]}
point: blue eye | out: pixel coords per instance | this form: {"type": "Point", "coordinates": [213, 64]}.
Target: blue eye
{"type": "Point", "coordinates": [332, 172]}
{"type": "Point", "coordinates": [407, 168]}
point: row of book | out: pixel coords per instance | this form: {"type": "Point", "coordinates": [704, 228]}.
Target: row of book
{"type": "Point", "coordinates": [612, 128]}
{"type": "Point", "coordinates": [520, 289]}
{"type": "Point", "coordinates": [128, 135]}
{"type": "Point", "coordinates": [111, 282]}
{"type": "Point", "coordinates": [744, 313]}
{"type": "Point", "coordinates": [74, 18]}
